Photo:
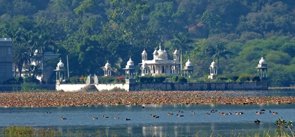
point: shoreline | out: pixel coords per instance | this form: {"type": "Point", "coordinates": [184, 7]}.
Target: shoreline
{"type": "Point", "coordinates": [282, 88]}
{"type": "Point", "coordinates": [79, 99]}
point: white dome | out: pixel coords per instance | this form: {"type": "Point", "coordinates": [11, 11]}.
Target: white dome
{"type": "Point", "coordinates": [60, 64]}
{"type": "Point", "coordinates": [144, 53]}
{"type": "Point", "coordinates": [188, 63]}
{"type": "Point", "coordinates": [129, 64]}
{"type": "Point", "coordinates": [107, 65]}
{"type": "Point", "coordinates": [213, 64]}
{"type": "Point", "coordinates": [162, 54]}
{"type": "Point", "coordinates": [262, 61]}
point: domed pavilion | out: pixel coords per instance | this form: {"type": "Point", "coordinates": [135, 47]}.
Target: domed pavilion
{"type": "Point", "coordinates": [160, 64]}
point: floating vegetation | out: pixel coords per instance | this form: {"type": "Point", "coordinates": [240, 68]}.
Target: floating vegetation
{"type": "Point", "coordinates": [64, 99]}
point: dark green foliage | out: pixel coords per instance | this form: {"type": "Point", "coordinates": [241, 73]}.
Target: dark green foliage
{"type": "Point", "coordinates": [150, 79]}
{"type": "Point", "coordinates": [28, 87]}
{"type": "Point", "coordinates": [146, 79]}
{"type": "Point", "coordinates": [182, 80]}
{"type": "Point", "coordinates": [244, 78]}
{"type": "Point", "coordinates": [77, 80]}
{"type": "Point", "coordinates": [234, 78]}
{"type": "Point", "coordinates": [31, 80]}
{"type": "Point", "coordinates": [256, 79]}
{"type": "Point", "coordinates": [234, 33]}
{"type": "Point", "coordinates": [106, 80]}
{"type": "Point", "coordinates": [14, 81]}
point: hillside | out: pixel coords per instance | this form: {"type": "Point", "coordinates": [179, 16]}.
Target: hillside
{"type": "Point", "coordinates": [235, 32]}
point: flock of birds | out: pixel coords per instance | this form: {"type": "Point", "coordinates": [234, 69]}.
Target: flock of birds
{"type": "Point", "coordinates": [181, 113]}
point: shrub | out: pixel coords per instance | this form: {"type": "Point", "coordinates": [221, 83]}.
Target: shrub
{"type": "Point", "coordinates": [14, 81]}
{"type": "Point", "coordinates": [234, 78]}
{"type": "Point", "coordinates": [150, 79]}
{"type": "Point", "coordinates": [29, 86]}
{"type": "Point", "coordinates": [76, 80]}
{"type": "Point", "coordinates": [31, 80]}
{"type": "Point", "coordinates": [256, 78]}
{"type": "Point", "coordinates": [222, 78]}
{"type": "Point", "coordinates": [174, 79]}
{"type": "Point", "coordinates": [145, 79]}
{"type": "Point", "coordinates": [182, 80]}
{"type": "Point", "coordinates": [106, 80]}
{"type": "Point", "coordinates": [244, 78]}
{"type": "Point", "coordinates": [120, 79]}
{"type": "Point", "coordinates": [159, 79]}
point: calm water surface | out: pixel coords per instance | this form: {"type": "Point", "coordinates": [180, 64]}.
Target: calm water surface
{"type": "Point", "coordinates": [152, 120]}
{"type": "Point", "coordinates": [269, 93]}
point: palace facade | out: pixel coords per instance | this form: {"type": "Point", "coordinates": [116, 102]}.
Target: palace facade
{"type": "Point", "coordinates": [160, 64]}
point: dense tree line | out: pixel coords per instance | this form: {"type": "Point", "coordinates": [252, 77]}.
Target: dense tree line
{"type": "Point", "coordinates": [234, 32]}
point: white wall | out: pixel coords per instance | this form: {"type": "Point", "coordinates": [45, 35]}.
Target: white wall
{"type": "Point", "coordinates": [99, 87]}
{"type": "Point", "coordinates": [70, 87]}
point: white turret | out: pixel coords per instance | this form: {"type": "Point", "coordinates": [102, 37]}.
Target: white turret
{"type": "Point", "coordinates": [213, 64]}
{"type": "Point", "coordinates": [261, 63]}
{"type": "Point", "coordinates": [176, 55]}
{"type": "Point", "coordinates": [60, 65]}
{"type": "Point", "coordinates": [144, 55]}
{"type": "Point", "coordinates": [59, 72]}
{"type": "Point", "coordinates": [107, 69]}
{"type": "Point", "coordinates": [213, 70]}
{"type": "Point", "coordinates": [188, 64]}
{"type": "Point", "coordinates": [129, 69]}
{"type": "Point", "coordinates": [144, 69]}
{"type": "Point", "coordinates": [262, 69]}
{"type": "Point", "coordinates": [155, 54]}
{"type": "Point", "coordinates": [188, 68]}
{"type": "Point", "coordinates": [130, 64]}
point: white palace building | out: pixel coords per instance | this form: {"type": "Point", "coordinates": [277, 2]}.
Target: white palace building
{"type": "Point", "coordinates": [160, 64]}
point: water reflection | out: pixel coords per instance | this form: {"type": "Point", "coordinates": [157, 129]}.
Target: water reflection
{"type": "Point", "coordinates": [148, 131]}
{"type": "Point", "coordinates": [158, 130]}
{"type": "Point", "coordinates": [159, 121]}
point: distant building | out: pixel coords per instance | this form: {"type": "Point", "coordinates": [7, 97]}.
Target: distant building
{"type": "Point", "coordinates": [160, 64]}
{"type": "Point", "coordinates": [107, 69]}
{"type": "Point", "coordinates": [262, 69]}
{"type": "Point", "coordinates": [213, 70]}
{"type": "Point", "coordinates": [6, 72]}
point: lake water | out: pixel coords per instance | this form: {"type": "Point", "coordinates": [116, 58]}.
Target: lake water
{"type": "Point", "coordinates": [150, 120]}
{"type": "Point", "coordinates": [154, 120]}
